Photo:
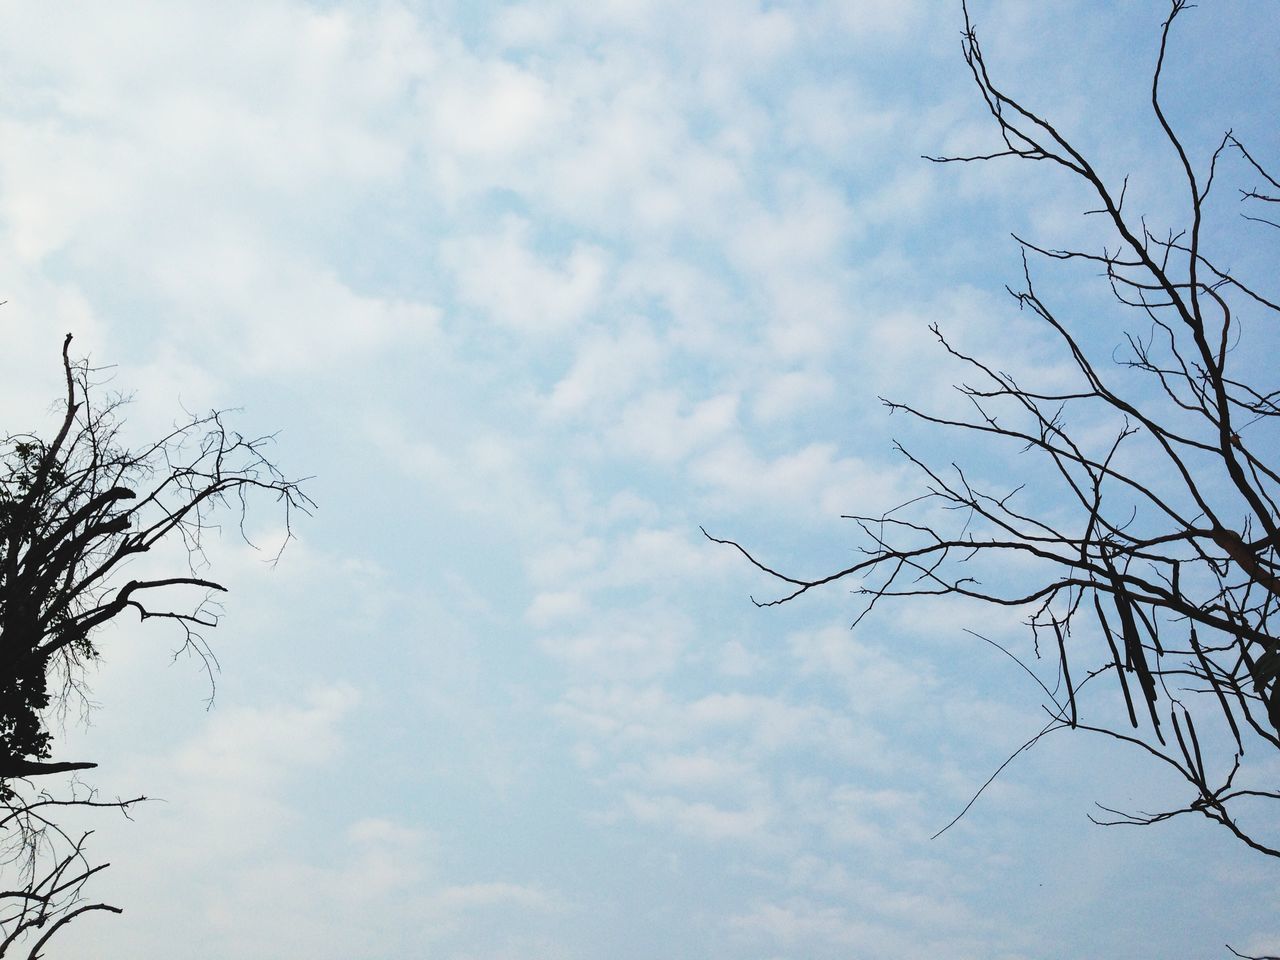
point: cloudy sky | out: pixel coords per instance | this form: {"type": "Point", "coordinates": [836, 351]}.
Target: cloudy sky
{"type": "Point", "coordinates": [534, 290]}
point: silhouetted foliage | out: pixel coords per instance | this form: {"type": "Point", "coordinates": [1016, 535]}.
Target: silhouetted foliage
{"type": "Point", "coordinates": [74, 509]}
{"type": "Point", "coordinates": [1153, 565]}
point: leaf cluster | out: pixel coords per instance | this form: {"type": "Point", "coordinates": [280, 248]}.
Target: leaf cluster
{"type": "Point", "coordinates": [75, 509]}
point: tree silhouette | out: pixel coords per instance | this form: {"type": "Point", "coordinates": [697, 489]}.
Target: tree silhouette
{"type": "Point", "coordinates": [74, 510]}
{"type": "Point", "coordinates": [1148, 566]}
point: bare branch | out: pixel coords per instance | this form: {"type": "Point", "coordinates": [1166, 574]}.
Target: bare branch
{"type": "Point", "coordinates": [1149, 555]}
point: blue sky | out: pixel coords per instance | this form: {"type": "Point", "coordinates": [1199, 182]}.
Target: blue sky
{"type": "Point", "coordinates": [533, 291]}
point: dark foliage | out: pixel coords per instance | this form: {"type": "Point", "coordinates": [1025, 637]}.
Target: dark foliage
{"type": "Point", "coordinates": [75, 508]}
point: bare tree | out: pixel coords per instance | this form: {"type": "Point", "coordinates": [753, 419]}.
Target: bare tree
{"type": "Point", "coordinates": [1149, 563]}
{"type": "Point", "coordinates": [50, 866]}
{"type": "Point", "coordinates": [74, 510]}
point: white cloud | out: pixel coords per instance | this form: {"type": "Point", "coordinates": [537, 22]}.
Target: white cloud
{"type": "Point", "coordinates": [803, 229]}
{"type": "Point", "coordinates": [655, 426]}
{"type": "Point", "coordinates": [877, 21]}
{"type": "Point", "coordinates": [191, 192]}
{"type": "Point", "coordinates": [661, 556]}
{"type": "Point", "coordinates": [738, 661]}
{"type": "Point", "coordinates": [488, 474]}
{"type": "Point", "coordinates": [800, 922]}
{"type": "Point", "coordinates": [500, 274]}
{"type": "Point", "coordinates": [230, 778]}
{"type": "Point", "coordinates": [839, 123]}
{"type": "Point", "coordinates": [705, 317]}
{"type": "Point", "coordinates": [558, 563]}
{"type": "Point", "coordinates": [876, 819]}
{"type": "Point", "coordinates": [276, 315]}
{"type": "Point", "coordinates": [550, 607]}
{"type": "Point", "coordinates": [605, 370]}
{"type": "Point", "coordinates": [696, 770]}
{"type": "Point", "coordinates": [907, 197]}
{"type": "Point", "coordinates": [759, 725]}
{"type": "Point", "coordinates": [222, 850]}
{"type": "Point", "coordinates": [783, 395]}
{"type": "Point", "coordinates": [809, 927]}
{"type": "Point", "coordinates": [700, 819]}
{"type": "Point", "coordinates": [813, 478]}
{"type": "Point", "coordinates": [873, 680]}
{"type": "Point", "coordinates": [33, 324]}
{"type": "Point", "coordinates": [638, 643]}
{"type": "Point", "coordinates": [489, 108]}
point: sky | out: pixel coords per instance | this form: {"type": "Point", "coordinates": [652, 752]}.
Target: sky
{"type": "Point", "coordinates": [532, 292]}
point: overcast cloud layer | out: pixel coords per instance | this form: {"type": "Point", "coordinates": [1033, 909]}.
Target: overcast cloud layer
{"type": "Point", "coordinates": [533, 291]}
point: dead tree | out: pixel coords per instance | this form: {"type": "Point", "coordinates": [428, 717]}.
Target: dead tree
{"type": "Point", "coordinates": [74, 509]}
{"type": "Point", "coordinates": [1149, 561]}
{"type": "Point", "coordinates": [50, 866]}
